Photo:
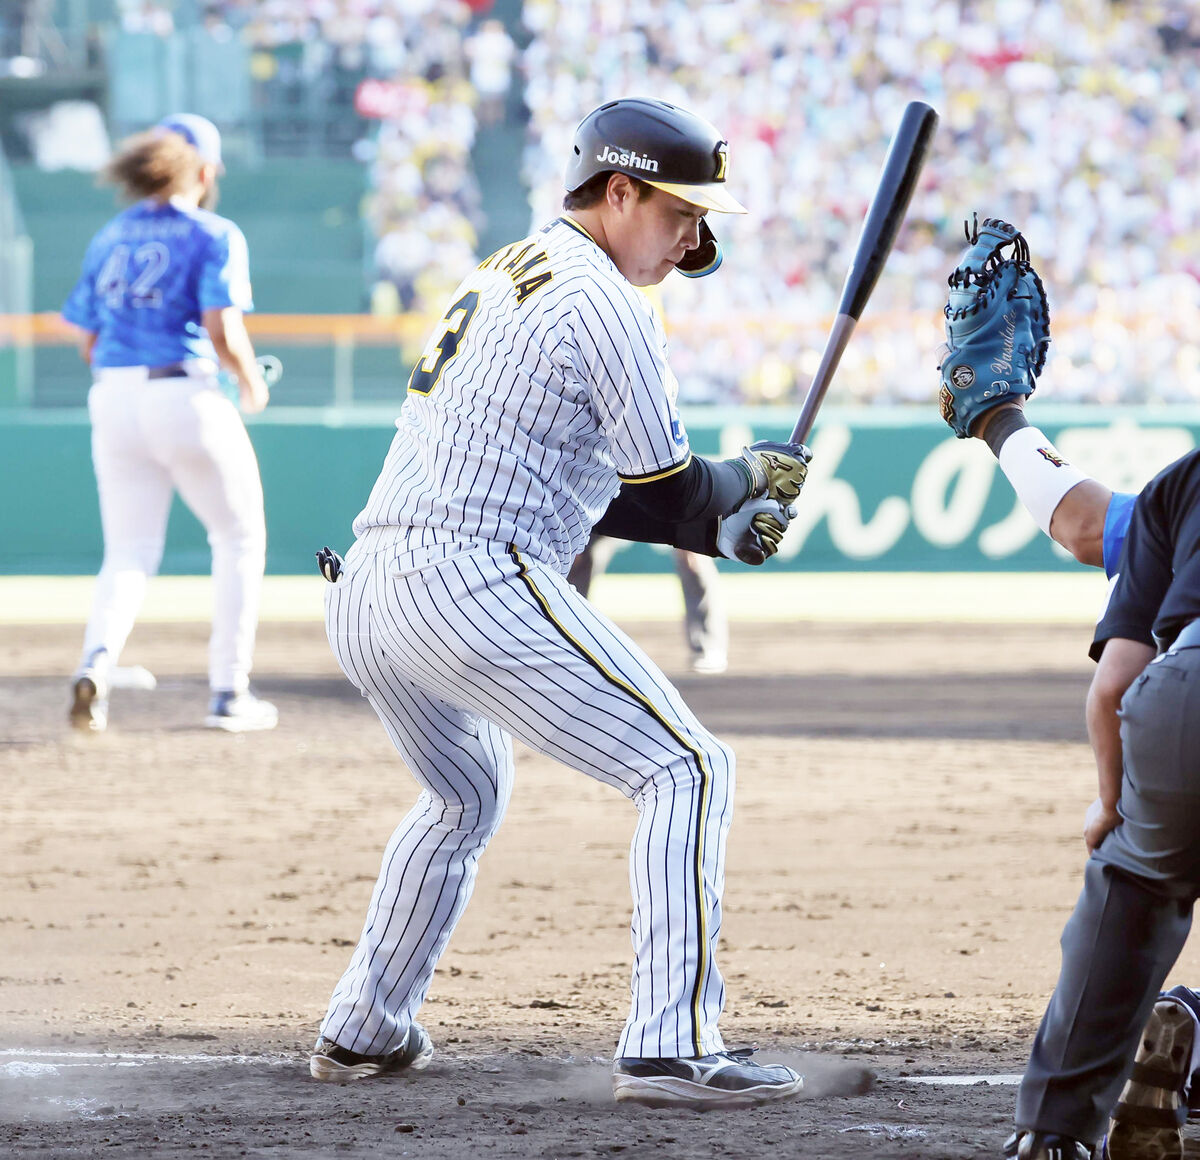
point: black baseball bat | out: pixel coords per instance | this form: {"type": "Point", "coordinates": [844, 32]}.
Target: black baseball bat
{"type": "Point", "coordinates": [897, 180]}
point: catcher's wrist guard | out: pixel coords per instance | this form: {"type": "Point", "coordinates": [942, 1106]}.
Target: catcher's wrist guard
{"type": "Point", "coordinates": [997, 326]}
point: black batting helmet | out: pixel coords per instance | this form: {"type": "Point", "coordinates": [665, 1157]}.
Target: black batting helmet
{"type": "Point", "coordinates": [666, 147]}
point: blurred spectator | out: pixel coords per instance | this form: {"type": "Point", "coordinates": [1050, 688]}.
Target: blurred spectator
{"type": "Point", "coordinates": [490, 52]}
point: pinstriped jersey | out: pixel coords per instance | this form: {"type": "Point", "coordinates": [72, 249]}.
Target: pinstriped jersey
{"type": "Point", "coordinates": [543, 387]}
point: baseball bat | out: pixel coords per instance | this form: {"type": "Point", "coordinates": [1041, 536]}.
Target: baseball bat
{"type": "Point", "coordinates": [885, 215]}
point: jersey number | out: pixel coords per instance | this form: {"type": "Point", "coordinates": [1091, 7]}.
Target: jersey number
{"type": "Point", "coordinates": [444, 344]}
{"type": "Point", "coordinates": [150, 263]}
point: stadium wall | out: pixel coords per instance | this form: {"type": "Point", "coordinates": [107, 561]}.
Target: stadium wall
{"type": "Point", "coordinates": [889, 490]}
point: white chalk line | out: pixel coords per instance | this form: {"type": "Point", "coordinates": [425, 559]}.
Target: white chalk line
{"type": "Point", "coordinates": [20, 1066]}
{"type": "Point", "coordinates": [136, 1058]}
{"type": "Point", "coordinates": [961, 1080]}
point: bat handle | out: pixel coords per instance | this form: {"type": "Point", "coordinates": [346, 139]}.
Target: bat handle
{"type": "Point", "coordinates": [839, 336]}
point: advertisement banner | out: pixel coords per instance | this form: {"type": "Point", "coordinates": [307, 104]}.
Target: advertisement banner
{"type": "Point", "coordinates": [886, 491]}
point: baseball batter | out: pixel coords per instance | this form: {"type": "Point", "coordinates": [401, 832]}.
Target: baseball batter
{"type": "Point", "coordinates": [542, 390]}
{"type": "Point", "coordinates": [159, 303]}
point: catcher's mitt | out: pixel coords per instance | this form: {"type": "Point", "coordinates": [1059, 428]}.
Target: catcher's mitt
{"type": "Point", "coordinates": [997, 326]}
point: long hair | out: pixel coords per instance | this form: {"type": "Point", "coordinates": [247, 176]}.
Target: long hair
{"type": "Point", "coordinates": [157, 163]}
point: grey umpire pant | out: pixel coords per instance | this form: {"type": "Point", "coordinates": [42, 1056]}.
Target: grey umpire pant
{"type": "Point", "coordinates": [1133, 914]}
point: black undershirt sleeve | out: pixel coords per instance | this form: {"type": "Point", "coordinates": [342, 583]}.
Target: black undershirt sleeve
{"type": "Point", "coordinates": [680, 509]}
{"type": "Point", "coordinates": [626, 520]}
{"type": "Point", "coordinates": [703, 490]}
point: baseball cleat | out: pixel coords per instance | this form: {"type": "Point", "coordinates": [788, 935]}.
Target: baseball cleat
{"type": "Point", "coordinates": [709, 663]}
{"type": "Point", "coordinates": [330, 1063]}
{"type": "Point", "coordinates": [89, 702]}
{"type": "Point", "coordinates": [724, 1080]}
{"type": "Point", "coordinates": [1024, 1145]}
{"type": "Point", "coordinates": [240, 712]}
{"type": "Point", "coordinates": [1147, 1123]}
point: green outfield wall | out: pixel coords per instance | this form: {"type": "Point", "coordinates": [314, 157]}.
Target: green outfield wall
{"type": "Point", "coordinates": [888, 490]}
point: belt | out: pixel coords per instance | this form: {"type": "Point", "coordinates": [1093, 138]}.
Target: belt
{"type": "Point", "coordinates": [177, 370]}
{"type": "Point", "coordinates": [1187, 637]}
{"type": "Point", "coordinates": [187, 368]}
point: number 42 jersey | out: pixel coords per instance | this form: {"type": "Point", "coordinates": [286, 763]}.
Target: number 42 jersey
{"type": "Point", "coordinates": [147, 278]}
{"type": "Point", "coordinates": [542, 388]}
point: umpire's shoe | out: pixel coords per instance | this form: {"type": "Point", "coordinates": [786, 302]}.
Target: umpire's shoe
{"type": "Point", "coordinates": [333, 1064]}
{"type": "Point", "coordinates": [724, 1080]}
{"type": "Point", "coordinates": [1022, 1145]}
{"type": "Point", "coordinates": [89, 701]}
{"type": "Point", "coordinates": [1147, 1123]}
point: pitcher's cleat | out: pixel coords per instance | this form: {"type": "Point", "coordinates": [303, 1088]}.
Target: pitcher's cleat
{"type": "Point", "coordinates": [725, 1079]}
{"type": "Point", "coordinates": [1147, 1123]}
{"type": "Point", "coordinates": [330, 1063]}
{"type": "Point", "coordinates": [89, 702]}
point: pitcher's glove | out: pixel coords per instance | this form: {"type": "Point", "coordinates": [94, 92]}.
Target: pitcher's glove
{"type": "Point", "coordinates": [776, 470]}
{"type": "Point", "coordinates": [752, 533]}
{"type": "Point", "coordinates": [997, 326]}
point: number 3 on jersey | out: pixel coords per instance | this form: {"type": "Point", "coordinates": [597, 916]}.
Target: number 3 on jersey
{"type": "Point", "coordinates": [444, 344]}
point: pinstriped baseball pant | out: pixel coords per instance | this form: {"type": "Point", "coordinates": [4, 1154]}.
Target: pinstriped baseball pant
{"type": "Point", "coordinates": [459, 645]}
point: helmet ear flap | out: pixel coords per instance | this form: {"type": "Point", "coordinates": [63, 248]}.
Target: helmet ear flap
{"type": "Point", "coordinates": [705, 258]}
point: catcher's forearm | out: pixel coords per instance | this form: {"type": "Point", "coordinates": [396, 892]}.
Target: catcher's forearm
{"type": "Point", "coordinates": [1120, 664]}
{"type": "Point", "coordinates": [1066, 504]}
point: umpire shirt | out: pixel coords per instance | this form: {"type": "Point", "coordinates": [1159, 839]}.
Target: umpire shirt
{"type": "Point", "coordinates": [1156, 591]}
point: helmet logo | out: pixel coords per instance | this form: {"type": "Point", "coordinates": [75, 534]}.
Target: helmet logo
{"type": "Point", "coordinates": [722, 161]}
{"type": "Point", "coordinates": [626, 158]}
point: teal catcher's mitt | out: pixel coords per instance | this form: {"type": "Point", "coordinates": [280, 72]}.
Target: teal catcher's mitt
{"type": "Point", "coordinates": [997, 326]}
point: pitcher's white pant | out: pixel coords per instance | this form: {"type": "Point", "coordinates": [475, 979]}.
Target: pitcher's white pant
{"type": "Point", "coordinates": [459, 645]}
{"type": "Point", "coordinates": [149, 438]}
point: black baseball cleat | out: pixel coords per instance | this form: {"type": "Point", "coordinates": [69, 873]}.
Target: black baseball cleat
{"type": "Point", "coordinates": [89, 702]}
{"type": "Point", "coordinates": [333, 1064]}
{"type": "Point", "coordinates": [1147, 1123]}
{"type": "Point", "coordinates": [724, 1080]}
{"type": "Point", "coordinates": [1024, 1145]}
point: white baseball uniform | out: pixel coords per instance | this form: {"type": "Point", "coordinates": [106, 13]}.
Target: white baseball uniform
{"type": "Point", "coordinates": [545, 386]}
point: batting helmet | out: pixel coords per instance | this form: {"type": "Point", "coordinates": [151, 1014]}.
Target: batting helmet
{"type": "Point", "coordinates": [666, 147]}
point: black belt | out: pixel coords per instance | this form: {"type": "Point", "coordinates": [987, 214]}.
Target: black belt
{"type": "Point", "coordinates": [170, 371]}
{"type": "Point", "coordinates": [1187, 637]}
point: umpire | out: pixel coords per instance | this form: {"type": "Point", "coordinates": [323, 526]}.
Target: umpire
{"type": "Point", "coordinates": [1143, 876]}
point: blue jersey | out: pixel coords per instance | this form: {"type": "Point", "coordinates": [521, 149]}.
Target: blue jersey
{"type": "Point", "coordinates": [147, 277]}
{"type": "Point", "coordinates": [1116, 524]}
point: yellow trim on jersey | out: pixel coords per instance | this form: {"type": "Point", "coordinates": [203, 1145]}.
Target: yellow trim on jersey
{"type": "Point", "coordinates": [658, 474]}
{"type": "Point", "coordinates": [702, 956]}
{"type": "Point", "coordinates": [576, 226]}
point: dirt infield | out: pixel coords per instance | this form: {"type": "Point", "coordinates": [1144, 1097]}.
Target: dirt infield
{"type": "Point", "coordinates": [904, 853]}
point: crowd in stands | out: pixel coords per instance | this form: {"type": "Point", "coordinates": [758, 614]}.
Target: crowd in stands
{"type": "Point", "coordinates": [1078, 120]}
{"type": "Point", "coordinates": [432, 69]}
